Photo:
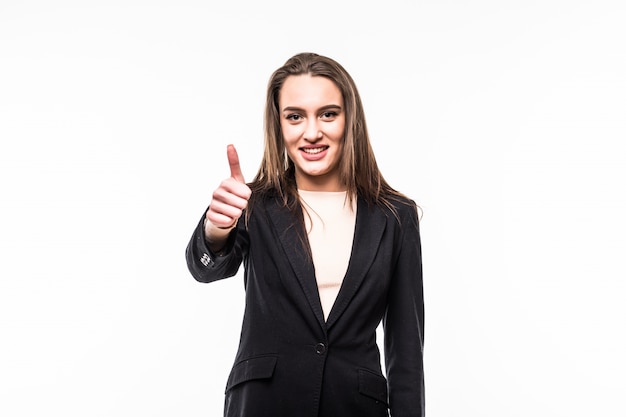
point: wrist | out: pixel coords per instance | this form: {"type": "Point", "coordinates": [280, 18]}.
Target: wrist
{"type": "Point", "coordinates": [215, 236]}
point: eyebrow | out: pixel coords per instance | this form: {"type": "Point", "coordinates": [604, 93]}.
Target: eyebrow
{"type": "Point", "coordinates": [323, 108]}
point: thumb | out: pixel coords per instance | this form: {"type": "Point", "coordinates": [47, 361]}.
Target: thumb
{"type": "Point", "coordinates": [233, 161]}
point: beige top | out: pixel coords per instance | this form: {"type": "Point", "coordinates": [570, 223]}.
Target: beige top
{"type": "Point", "coordinates": [329, 221]}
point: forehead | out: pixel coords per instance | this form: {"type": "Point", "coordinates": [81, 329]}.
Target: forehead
{"type": "Point", "coordinates": [309, 91]}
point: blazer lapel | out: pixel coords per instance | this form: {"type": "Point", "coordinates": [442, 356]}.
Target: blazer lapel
{"type": "Point", "coordinates": [369, 228]}
{"type": "Point", "coordinates": [302, 265]}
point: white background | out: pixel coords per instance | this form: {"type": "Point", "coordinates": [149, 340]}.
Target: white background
{"type": "Point", "coordinates": [504, 120]}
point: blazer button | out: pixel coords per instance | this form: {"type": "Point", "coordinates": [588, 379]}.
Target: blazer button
{"type": "Point", "coordinates": [320, 348]}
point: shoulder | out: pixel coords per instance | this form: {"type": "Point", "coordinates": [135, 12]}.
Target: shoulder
{"type": "Point", "coordinates": [397, 209]}
{"type": "Point", "coordinates": [400, 205]}
{"type": "Point", "coordinates": [263, 205]}
{"type": "Point", "coordinates": [402, 202]}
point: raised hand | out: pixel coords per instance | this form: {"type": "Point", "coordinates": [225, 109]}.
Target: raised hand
{"type": "Point", "coordinates": [229, 201]}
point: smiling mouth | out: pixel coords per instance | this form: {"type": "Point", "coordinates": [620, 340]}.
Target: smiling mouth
{"type": "Point", "coordinates": [313, 151]}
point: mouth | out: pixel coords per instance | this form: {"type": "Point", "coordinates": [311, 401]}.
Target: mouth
{"type": "Point", "coordinates": [314, 150]}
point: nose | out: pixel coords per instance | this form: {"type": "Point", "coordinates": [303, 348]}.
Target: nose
{"type": "Point", "coordinates": [312, 131]}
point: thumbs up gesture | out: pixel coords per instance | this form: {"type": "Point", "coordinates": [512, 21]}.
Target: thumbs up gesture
{"type": "Point", "coordinates": [229, 201]}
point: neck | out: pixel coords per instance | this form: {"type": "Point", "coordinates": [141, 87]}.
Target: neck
{"type": "Point", "coordinates": [319, 183]}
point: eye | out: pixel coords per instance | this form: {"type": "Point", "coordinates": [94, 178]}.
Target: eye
{"type": "Point", "coordinates": [294, 117]}
{"type": "Point", "coordinates": [329, 115]}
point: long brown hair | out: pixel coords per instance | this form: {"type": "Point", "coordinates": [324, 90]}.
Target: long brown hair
{"type": "Point", "coordinates": [358, 169]}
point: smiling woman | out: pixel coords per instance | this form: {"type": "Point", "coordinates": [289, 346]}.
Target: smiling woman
{"type": "Point", "coordinates": [329, 248]}
{"type": "Point", "coordinates": [312, 124]}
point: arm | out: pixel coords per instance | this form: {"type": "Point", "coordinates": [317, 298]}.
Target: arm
{"type": "Point", "coordinates": [404, 325]}
{"type": "Point", "coordinates": [206, 265]}
{"type": "Point", "coordinates": [218, 243]}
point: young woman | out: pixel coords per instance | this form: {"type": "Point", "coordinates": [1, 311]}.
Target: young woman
{"type": "Point", "coordinates": [329, 250]}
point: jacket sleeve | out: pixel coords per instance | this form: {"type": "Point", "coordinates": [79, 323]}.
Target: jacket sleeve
{"type": "Point", "coordinates": [206, 266]}
{"type": "Point", "coordinates": [404, 325]}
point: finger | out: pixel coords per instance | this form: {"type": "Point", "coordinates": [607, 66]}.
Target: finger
{"type": "Point", "coordinates": [232, 193]}
{"type": "Point", "coordinates": [233, 161]}
{"type": "Point", "coordinates": [222, 220]}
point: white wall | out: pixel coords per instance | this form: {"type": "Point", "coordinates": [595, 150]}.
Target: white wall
{"type": "Point", "coordinates": [504, 120]}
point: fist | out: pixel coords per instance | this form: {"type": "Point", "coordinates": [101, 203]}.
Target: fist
{"type": "Point", "coordinates": [231, 197]}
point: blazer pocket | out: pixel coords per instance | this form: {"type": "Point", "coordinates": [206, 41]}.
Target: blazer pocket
{"type": "Point", "coordinates": [260, 367]}
{"type": "Point", "coordinates": [373, 385]}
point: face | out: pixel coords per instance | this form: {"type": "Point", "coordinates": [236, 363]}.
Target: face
{"type": "Point", "coordinates": [312, 121]}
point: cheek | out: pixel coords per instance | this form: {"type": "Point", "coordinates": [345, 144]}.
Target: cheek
{"type": "Point", "coordinates": [338, 129]}
{"type": "Point", "coordinates": [337, 132]}
{"type": "Point", "coordinates": [289, 132]}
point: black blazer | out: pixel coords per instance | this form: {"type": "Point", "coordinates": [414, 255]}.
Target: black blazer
{"type": "Point", "coordinates": [291, 362]}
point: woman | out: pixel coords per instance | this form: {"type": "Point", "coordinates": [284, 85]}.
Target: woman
{"type": "Point", "coordinates": [329, 250]}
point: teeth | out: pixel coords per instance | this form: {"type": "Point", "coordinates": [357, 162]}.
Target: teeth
{"type": "Point", "coordinates": [313, 150]}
